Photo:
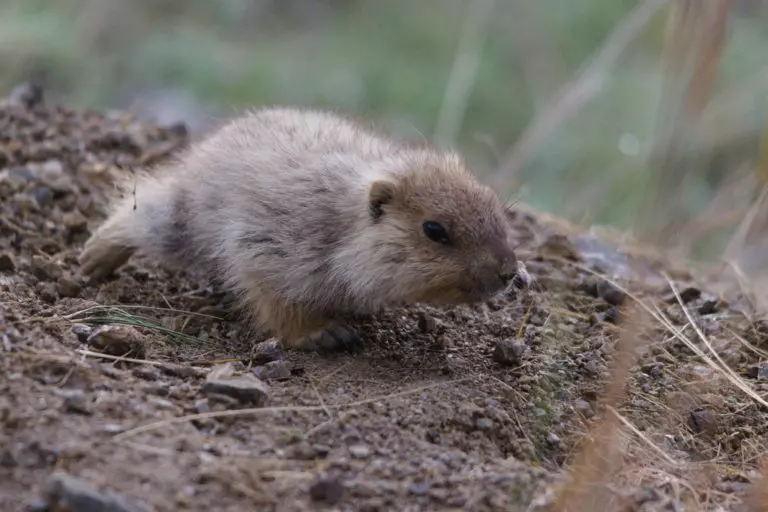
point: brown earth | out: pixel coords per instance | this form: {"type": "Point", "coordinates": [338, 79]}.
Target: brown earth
{"type": "Point", "coordinates": [469, 408]}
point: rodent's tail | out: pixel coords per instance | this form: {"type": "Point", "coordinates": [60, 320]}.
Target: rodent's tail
{"type": "Point", "coordinates": [137, 223]}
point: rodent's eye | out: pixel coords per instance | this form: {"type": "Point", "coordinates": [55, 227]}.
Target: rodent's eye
{"type": "Point", "coordinates": [435, 232]}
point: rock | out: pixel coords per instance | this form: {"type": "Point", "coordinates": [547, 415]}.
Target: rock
{"type": "Point", "coordinates": [553, 438]}
{"type": "Point", "coordinates": [28, 94]}
{"type": "Point", "coordinates": [75, 402]}
{"type": "Point", "coordinates": [183, 371]}
{"type": "Point", "coordinates": [321, 450]}
{"type": "Point", "coordinates": [267, 351]}
{"type": "Point", "coordinates": [686, 295]}
{"type": "Point", "coordinates": [484, 424]}
{"type": "Point", "coordinates": [509, 352]}
{"type": "Point", "coordinates": [42, 195]}
{"type": "Point", "coordinates": [589, 286]}
{"type": "Point", "coordinates": [762, 372]}
{"type": "Point", "coordinates": [559, 246]}
{"type": "Point", "coordinates": [274, 370]}
{"type": "Point", "coordinates": [244, 388]}
{"type": "Point", "coordinates": [64, 493]}
{"type": "Point", "coordinates": [703, 422]}
{"type": "Point", "coordinates": [611, 315]}
{"type": "Point", "coordinates": [38, 505]}
{"type": "Point", "coordinates": [74, 222]}
{"type": "Point", "coordinates": [426, 323]}
{"type": "Point", "coordinates": [52, 175]}
{"type": "Point", "coordinates": [419, 488]}
{"type": "Point", "coordinates": [82, 332]}
{"type": "Point", "coordinates": [710, 306]}
{"type": "Point", "coordinates": [118, 340]}
{"type": "Point", "coordinates": [610, 294]}
{"type": "Point", "coordinates": [328, 490]}
{"type": "Point", "coordinates": [360, 451]}
{"type": "Point", "coordinates": [148, 373]}
{"type": "Point", "coordinates": [302, 451]}
{"type": "Point", "coordinates": [67, 287]}
{"type": "Point", "coordinates": [43, 269]}
{"type": "Point", "coordinates": [602, 257]}
{"type": "Point", "coordinates": [202, 407]}
{"type": "Point", "coordinates": [6, 263]}
{"type": "Point", "coordinates": [583, 407]}
{"type": "Point", "coordinates": [16, 178]}
{"type": "Point", "coordinates": [47, 292]}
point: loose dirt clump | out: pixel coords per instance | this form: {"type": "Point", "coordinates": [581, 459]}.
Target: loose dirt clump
{"type": "Point", "coordinates": [145, 393]}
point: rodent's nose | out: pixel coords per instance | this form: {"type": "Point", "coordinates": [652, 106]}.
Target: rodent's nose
{"type": "Point", "coordinates": [508, 270]}
{"type": "Point", "coordinates": [507, 277]}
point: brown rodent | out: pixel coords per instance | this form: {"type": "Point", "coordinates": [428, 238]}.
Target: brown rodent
{"type": "Point", "coordinates": [309, 217]}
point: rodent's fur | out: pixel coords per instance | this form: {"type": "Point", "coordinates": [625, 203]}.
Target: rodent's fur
{"type": "Point", "coordinates": [308, 216]}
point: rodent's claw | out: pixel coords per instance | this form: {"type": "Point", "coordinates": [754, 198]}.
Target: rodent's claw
{"type": "Point", "coordinates": [337, 338]}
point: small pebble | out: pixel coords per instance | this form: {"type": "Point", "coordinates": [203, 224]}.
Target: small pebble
{"type": "Point", "coordinates": [118, 340]}
{"type": "Point", "coordinates": [328, 490]}
{"type": "Point", "coordinates": [302, 451]}
{"type": "Point", "coordinates": [710, 306]}
{"type": "Point", "coordinates": [419, 488]}
{"type": "Point", "coordinates": [245, 388]}
{"type": "Point", "coordinates": [67, 287]}
{"type": "Point", "coordinates": [484, 424]}
{"type": "Point", "coordinates": [6, 263]}
{"type": "Point", "coordinates": [27, 94]}
{"type": "Point", "coordinates": [274, 370]}
{"type": "Point", "coordinates": [359, 451]}
{"type": "Point", "coordinates": [321, 450]}
{"type": "Point", "coordinates": [267, 351]}
{"type": "Point", "coordinates": [427, 323]}
{"type": "Point", "coordinates": [65, 493]}
{"type": "Point", "coordinates": [610, 294]}
{"type": "Point", "coordinates": [75, 402]}
{"type": "Point", "coordinates": [703, 422]}
{"type": "Point", "coordinates": [686, 295]}
{"type": "Point", "coordinates": [47, 292]}
{"type": "Point", "coordinates": [509, 352]}
{"type": "Point", "coordinates": [202, 407]}
{"type": "Point", "coordinates": [82, 332]}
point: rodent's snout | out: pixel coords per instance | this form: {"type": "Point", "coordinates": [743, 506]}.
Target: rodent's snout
{"type": "Point", "coordinates": [508, 268]}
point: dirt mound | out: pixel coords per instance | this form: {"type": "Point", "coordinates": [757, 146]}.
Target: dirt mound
{"type": "Point", "coordinates": [468, 408]}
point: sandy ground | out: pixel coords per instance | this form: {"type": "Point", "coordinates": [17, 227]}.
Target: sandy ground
{"type": "Point", "coordinates": [468, 408]}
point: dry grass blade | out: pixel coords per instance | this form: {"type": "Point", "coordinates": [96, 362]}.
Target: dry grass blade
{"type": "Point", "coordinates": [659, 316]}
{"type": "Point", "coordinates": [722, 367]}
{"type": "Point", "coordinates": [695, 42]}
{"type": "Point", "coordinates": [265, 410]}
{"type": "Point", "coordinates": [599, 458]}
{"type": "Point", "coordinates": [464, 71]}
{"type": "Point", "coordinates": [575, 94]}
{"type": "Point", "coordinates": [757, 498]}
{"type": "Point", "coordinates": [122, 307]}
{"type": "Point", "coordinates": [117, 359]}
{"type": "Point", "coordinates": [642, 436]}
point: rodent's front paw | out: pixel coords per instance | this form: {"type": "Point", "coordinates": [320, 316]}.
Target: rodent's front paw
{"type": "Point", "coordinates": [335, 338]}
{"type": "Point", "coordinates": [523, 279]}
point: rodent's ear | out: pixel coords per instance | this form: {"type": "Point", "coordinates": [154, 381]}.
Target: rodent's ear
{"type": "Point", "coordinates": [381, 193]}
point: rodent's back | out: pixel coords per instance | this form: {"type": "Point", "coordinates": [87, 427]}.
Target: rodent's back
{"type": "Point", "coordinates": [272, 196]}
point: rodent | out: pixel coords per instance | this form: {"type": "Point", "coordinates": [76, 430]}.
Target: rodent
{"type": "Point", "coordinates": [309, 217]}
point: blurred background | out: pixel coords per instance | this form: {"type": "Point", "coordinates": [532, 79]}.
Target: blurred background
{"type": "Point", "coordinates": [577, 107]}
